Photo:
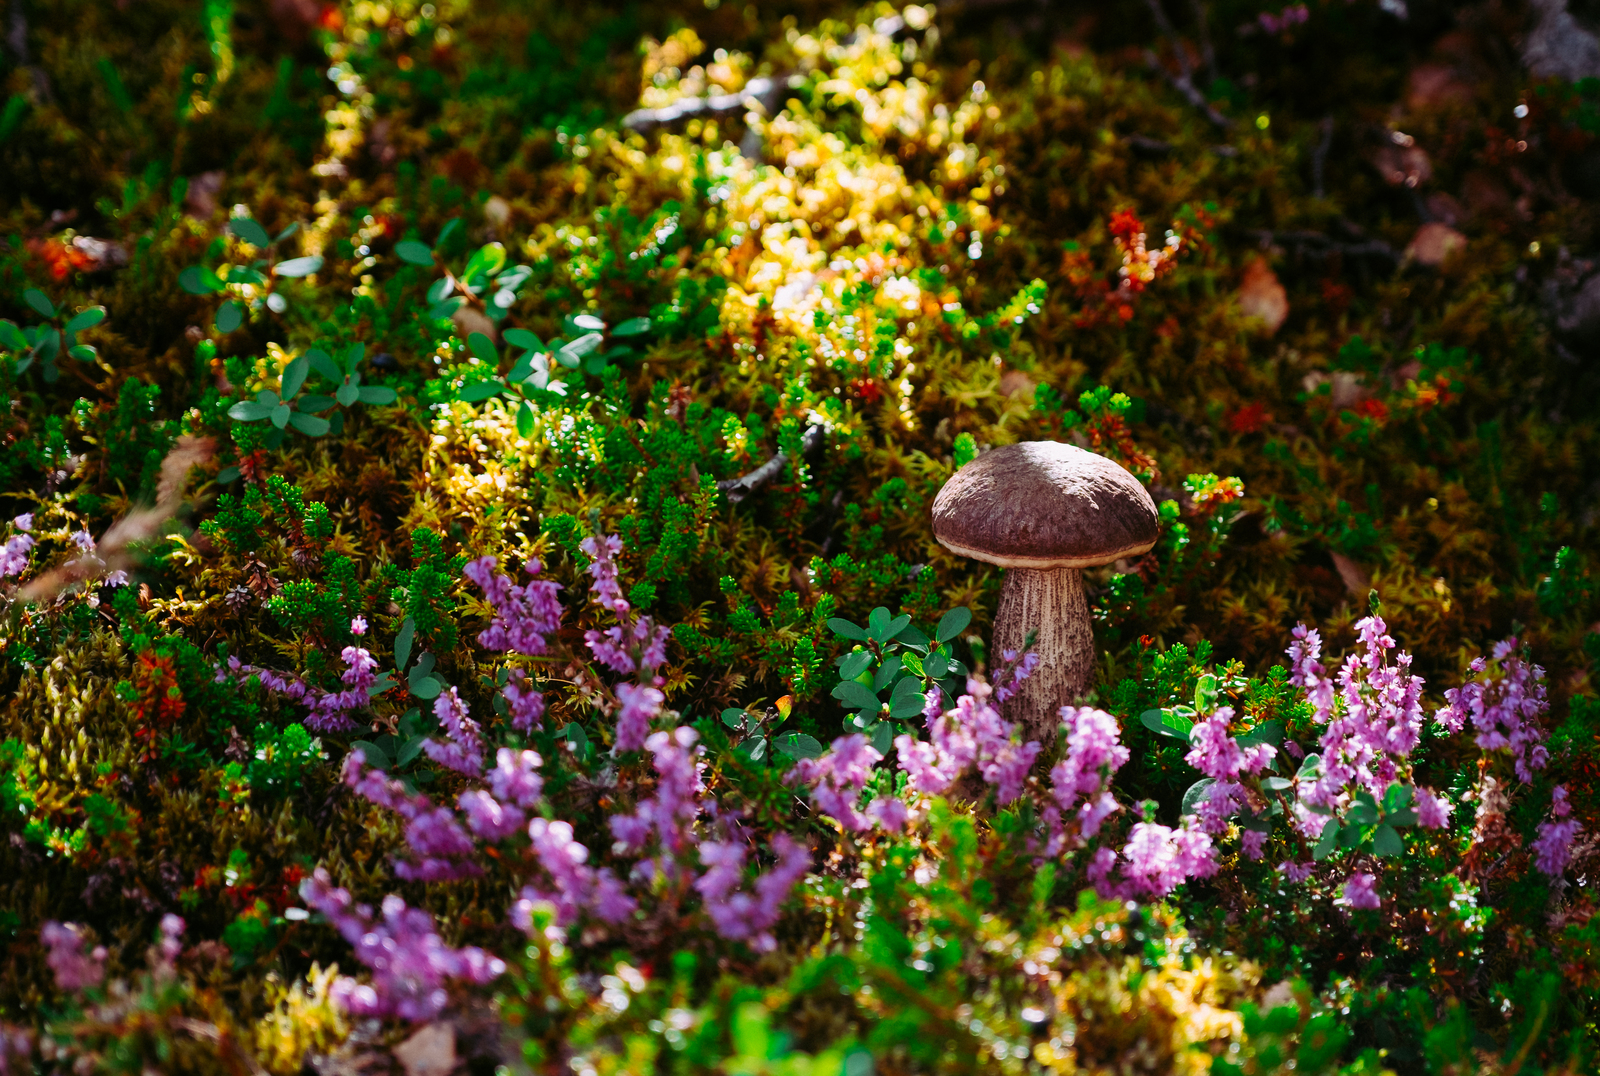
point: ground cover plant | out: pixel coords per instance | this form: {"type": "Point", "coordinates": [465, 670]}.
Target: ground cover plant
{"type": "Point", "coordinates": [468, 598]}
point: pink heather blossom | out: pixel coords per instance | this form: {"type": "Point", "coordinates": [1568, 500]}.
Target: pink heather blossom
{"type": "Point", "coordinates": [16, 1050]}
{"type": "Point", "coordinates": [410, 963]}
{"type": "Point", "coordinates": [438, 849]}
{"type": "Point", "coordinates": [172, 927]}
{"type": "Point", "coordinates": [1218, 755]}
{"type": "Point", "coordinates": [640, 705]}
{"type": "Point", "coordinates": [888, 813]}
{"type": "Point", "coordinates": [523, 616]}
{"type": "Point", "coordinates": [1361, 891]}
{"type": "Point", "coordinates": [740, 916]}
{"type": "Point", "coordinates": [75, 970]}
{"type": "Point", "coordinates": [524, 702]}
{"type": "Point", "coordinates": [24, 522]}
{"type": "Point", "coordinates": [1295, 873]}
{"type": "Point", "coordinates": [1433, 811]}
{"type": "Point", "coordinates": [1504, 703]}
{"type": "Point", "coordinates": [1552, 848]}
{"type": "Point", "coordinates": [1012, 672]}
{"type": "Point", "coordinates": [837, 778]}
{"type": "Point", "coordinates": [1253, 843]}
{"type": "Point", "coordinates": [635, 643]}
{"type": "Point", "coordinates": [575, 887]}
{"type": "Point", "coordinates": [1093, 755]}
{"type": "Point", "coordinates": [515, 778]}
{"type": "Point", "coordinates": [1222, 801]}
{"type": "Point", "coordinates": [358, 626]}
{"type": "Point", "coordinates": [326, 710]}
{"type": "Point", "coordinates": [462, 751]}
{"type": "Point", "coordinates": [14, 556]}
{"type": "Point", "coordinates": [487, 817]}
{"type": "Point", "coordinates": [83, 540]}
{"type": "Point", "coordinates": [973, 732]}
{"type": "Point", "coordinates": [670, 813]}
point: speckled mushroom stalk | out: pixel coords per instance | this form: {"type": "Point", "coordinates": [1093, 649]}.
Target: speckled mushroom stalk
{"type": "Point", "coordinates": [1044, 511]}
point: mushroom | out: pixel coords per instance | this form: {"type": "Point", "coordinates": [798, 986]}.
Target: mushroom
{"type": "Point", "coordinates": [1044, 511]}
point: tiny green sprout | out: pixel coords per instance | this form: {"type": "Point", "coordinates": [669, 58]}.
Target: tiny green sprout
{"type": "Point", "coordinates": [261, 274]}
{"type": "Point", "coordinates": [305, 414]}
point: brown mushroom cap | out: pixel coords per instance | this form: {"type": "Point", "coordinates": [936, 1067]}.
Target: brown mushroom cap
{"type": "Point", "coordinates": [1044, 504]}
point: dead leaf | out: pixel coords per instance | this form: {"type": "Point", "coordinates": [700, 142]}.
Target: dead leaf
{"type": "Point", "coordinates": [469, 320]}
{"type": "Point", "coordinates": [1433, 243]}
{"type": "Point", "coordinates": [1262, 296]}
{"type": "Point", "coordinates": [1402, 165]}
{"type": "Point", "coordinates": [1015, 381]}
{"type": "Point", "coordinates": [430, 1051]}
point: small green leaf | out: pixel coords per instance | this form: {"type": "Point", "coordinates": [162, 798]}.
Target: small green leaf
{"type": "Point", "coordinates": [798, 745]}
{"type": "Point", "coordinates": [229, 317]}
{"type": "Point", "coordinates": [525, 420]}
{"type": "Point", "coordinates": [294, 376]}
{"type": "Point", "coordinates": [412, 748]}
{"type": "Point", "coordinates": [1364, 811]}
{"type": "Point", "coordinates": [379, 686]}
{"type": "Point", "coordinates": [249, 411]}
{"type": "Point", "coordinates": [522, 338]}
{"type": "Point", "coordinates": [912, 636]}
{"type": "Point", "coordinates": [323, 364]}
{"type": "Point", "coordinates": [486, 261]}
{"type": "Point", "coordinates": [1205, 694]}
{"type": "Point", "coordinates": [854, 664]}
{"type": "Point", "coordinates": [82, 352]}
{"type": "Point", "coordinates": [409, 250]}
{"type": "Point", "coordinates": [40, 302]}
{"type": "Point", "coordinates": [376, 756]}
{"type": "Point", "coordinates": [1310, 767]}
{"type": "Point", "coordinates": [377, 395]}
{"type": "Point", "coordinates": [249, 231]}
{"type": "Point", "coordinates": [310, 425]}
{"type": "Point", "coordinates": [448, 232]}
{"type": "Point", "coordinates": [227, 476]}
{"type": "Point", "coordinates": [856, 697]}
{"type": "Point", "coordinates": [280, 415]}
{"type": "Point", "coordinates": [937, 664]}
{"type": "Point", "coordinates": [478, 391]}
{"type": "Point", "coordinates": [313, 404]}
{"type": "Point", "coordinates": [1196, 795]}
{"type": "Point", "coordinates": [1268, 732]}
{"type": "Point", "coordinates": [953, 624]}
{"type": "Point", "coordinates": [287, 232]}
{"type": "Point", "coordinates": [589, 323]}
{"type": "Point", "coordinates": [733, 718]}
{"type": "Point", "coordinates": [87, 318]}
{"type": "Point", "coordinates": [425, 663]}
{"type": "Point", "coordinates": [48, 346]}
{"type": "Point", "coordinates": [198, 280]}
{"type": "Point", "coordinates": [298, 267]}
{"type": "Point", "coordinates": [632, 327]}
{"type": "Point", "coordinates": [1167, 723]}
{"type": "Point", "coordinates": [347, 394]}
{"type": "Point", "coordinates": [571, 354]}
{"type": "Point", "coordinates": [1276, 784]}
{"type": "Point", "coordinates": [483, 347]}
{"type": "Point", "coordinates": [352, 358]}
{"type": "Point", "coordinates": [903, 706]}
{"type": "Point", "coordinates": [1330, 839]}
{"type": "Point", "coordinates": [425, 687]}
{"type": "Point", "coordinates": [846, 629]}
{"type": "Point", "coordinates": [402, 643]}
{"type": "Point", "coordinates": [11, 337]}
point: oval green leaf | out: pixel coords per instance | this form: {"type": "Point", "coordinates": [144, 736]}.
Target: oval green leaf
{"type": "Point", "coordinates": [249, 231]}
{"type": "Point", "coordinates": [298, 267]}
{"type": "Point", "coordinates": [40, 302]}
{"type": "Point", "coordinates": [409, 250]}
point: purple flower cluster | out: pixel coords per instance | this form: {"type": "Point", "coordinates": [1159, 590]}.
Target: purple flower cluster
{"type": "Point", "coordinates": [575, 886]}
{"type": "Point", "coordinates": [971, 733]}
{"type": "Point", "coordinates": [440, 849]}
{"type": "Point", "coordinates": [16, 1050]}
{"type": "Point", "coordinates": [1154, 862]}
{"type": "Point", "coordinates": [523, 617]}
{"type": "Point", "coordinates": [670, 813]}
{"type": "Point", "coordinates": [326, 710]}
{"type": "Point", "coordinates": [1082, 779]}
{"type": "Point", "coordinates": [1289, 17]}
{"type": "Point", "coordinates": [1360, 891]}
{"type": "Point", "coordinates": [462, 749]}
{"type": "Point", "coordinates": [1504, 702]}
{"type": "Point", "coordinates": [1552, 848]}
{"type": "Point", "coordinates": [14, 556]}
{"type": "Point", "coordinates": [836, 779]}
{"type": "Point", "coordinates": [740, 916]}
{"type": "Point", "coordinates": [410, 963]}
{"type": "Point", "coordinates": [74, 969]}
{"type": "Point", "coordinates": [635, 643]}
{"type": "Point", "coordinates": [639, 705]}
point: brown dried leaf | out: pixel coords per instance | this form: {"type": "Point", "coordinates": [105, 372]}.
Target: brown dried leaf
{"type": "Point", "coordinates": [1262, 296]}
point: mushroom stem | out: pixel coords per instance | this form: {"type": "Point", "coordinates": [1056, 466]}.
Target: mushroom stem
{"type": "Point", "coordinates": [1050, 602]}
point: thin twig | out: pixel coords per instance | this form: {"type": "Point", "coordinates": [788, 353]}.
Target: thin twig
{"type": "Point", "coordinates": [1185, 85]}
{"type": "Point", "coordinates": [646, 119]}
{"type": "Point", "coordinates": [737, 489]}
{"type": "Point", "coordinates": [1319, 156]}
{"type": "Point", "coordinates": [1207, 53]}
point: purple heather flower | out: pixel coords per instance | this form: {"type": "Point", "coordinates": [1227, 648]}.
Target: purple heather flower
{"type": "Point", "coordinates": [1433, 811]}
{"type": "Point", "coordinates": [1361, 891]}
{"type": "Point", "coordinates": [525, 703]}
{"type": "Point", "coordinates": [326, 710]}
{"type": "Point", "coordinates": [410, 963]}
{"type": "Point", "coordinates": [1155, 861]}
{"type": "Point", "coordinates": [23, 522]}
{"type": "Point", "coordinates": [439, 848]}
{"type": "Point", "coordinates": [740, 916]}
{"type": "Point", "coordinates": [463, 751]}
{"type": "Point", "coordinates": [640, 705]}
{"type": "Point", "coordinates": [358, 626]}
{"type": "Point", "coordinates": [889, 813]}
{"type": "Point", "coordinates": [1295, 873]}
{"type": "Point", "coordinates": [523, 616]}
{"type": "Point", "coordinates": [75, 970]}
{"type": "Point", "coordinates": [671, 812]}
{"type": "Point", "coordinates": [515, 778]}
{"type": "Point", "coordinates": [972, 732]}
{"type": "Point", "coordinates": [577, 887]}
{"type": "Point", "coordinates": [83, 540]}
{"type": "Point", "coordinates": [1504, 704]}
{"type": "Point", "coordinates": [14, 557]}
{"type": "Point", "coordinates": [1218, 755]}
{"type": "Point", "coordinates": [1253, 843]}
{"type": "Point", "coordinates": [1093, 755]}
{"type": "Point", "coordinates": [488, 817]}
{"type": "Point", "coordinates": [837, 778]}
{"type": "Point", "coordinates": [1552, 848]}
